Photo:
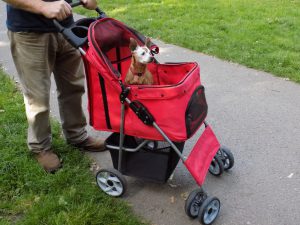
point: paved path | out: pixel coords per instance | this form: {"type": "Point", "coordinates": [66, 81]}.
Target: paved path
{"type": "Point", "coordinates": [255, 114]}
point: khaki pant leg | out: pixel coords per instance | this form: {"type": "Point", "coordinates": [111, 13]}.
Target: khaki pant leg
{"type": "Point", "coordinates": [34, 56]}
{"type": "Point", "coordinates": [70, 78]}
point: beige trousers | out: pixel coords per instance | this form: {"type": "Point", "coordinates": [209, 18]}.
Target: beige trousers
{"type": "Point", "coordinates": [36, 57]}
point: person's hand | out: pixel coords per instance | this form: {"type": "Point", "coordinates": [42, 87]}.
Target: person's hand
{"type": "Point", "coordinates": [89, 4]}
{"type": "Point", "coordinates": [59, 10]}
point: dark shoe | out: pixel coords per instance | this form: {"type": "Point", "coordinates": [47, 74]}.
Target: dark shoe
{"type": "Point", "coordinates": [48, 160]}
{"type": "Point", "coordinates": [91, 145]}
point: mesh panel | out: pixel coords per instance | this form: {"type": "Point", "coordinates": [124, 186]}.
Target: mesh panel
{"type": "Point", "coordinates": [196, 111]}
{"type": "Point", "coordinates": [110, 35]}
{"type": "Point", "coordinates": [112, 38]}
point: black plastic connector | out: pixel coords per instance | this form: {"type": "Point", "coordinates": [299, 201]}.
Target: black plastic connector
{"type": "Point", "coordinates": [75, 35]}
{"type": "Point", "coordinates": [124, 93]}
{"type": "Point", "coordinates": [141, 111]}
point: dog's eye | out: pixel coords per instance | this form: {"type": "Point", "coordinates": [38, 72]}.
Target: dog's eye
{"type": "Point", "coordinates": [143, 53]}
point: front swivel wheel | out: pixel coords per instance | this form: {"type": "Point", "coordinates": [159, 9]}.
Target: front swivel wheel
{"type": "Point", "coordinates": [227, 157]}
{"type": "Point", "coordinates": [209, 210]}
{"type": "Point", "coordinates": [193, 202]}
{"type": "Point", "coordinates": [216, 167]}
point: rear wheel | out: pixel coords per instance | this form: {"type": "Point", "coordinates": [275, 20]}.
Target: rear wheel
{"type": "Point", "coordinates": [111, 181]}
{"type": "Point", "coordinates": [151, 145]}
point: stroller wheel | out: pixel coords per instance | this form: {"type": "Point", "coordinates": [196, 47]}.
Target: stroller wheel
{"type": "Point", "coordinates": [194, 201]}
{"type": "Point", "coordinates": [227, 158]}
{"type": "Point", "coordinates": [151, 145]}
{"type": "Point", "coordinates": [216, 167]}
{"type": "Point", "coordinates": [111, 181]}
{"type": "Point", "coordinates": [209, 210]}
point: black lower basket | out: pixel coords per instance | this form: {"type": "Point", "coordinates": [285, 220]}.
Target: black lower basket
{"type": "Point", "coordinates": [155, 164]}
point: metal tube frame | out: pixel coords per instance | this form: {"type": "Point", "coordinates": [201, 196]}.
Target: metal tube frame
{"type": "Point", "coordinates": [142, 144]}
{"type": "Point", "coordinates": [81, 51]}
{"type": "Point", "coordinates": [121, 136]}
{"type": "Point", "coordinates": [169, 141]}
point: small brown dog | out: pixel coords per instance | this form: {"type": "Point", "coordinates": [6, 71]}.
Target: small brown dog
{"type": "Point", "coordinates": [141, 56]}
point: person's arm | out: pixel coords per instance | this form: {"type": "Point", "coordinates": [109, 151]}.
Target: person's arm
{"type": "Point", "coordinates": [52, 10]}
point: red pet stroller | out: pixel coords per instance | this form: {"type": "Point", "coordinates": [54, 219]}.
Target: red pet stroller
{"type": "Point", "coordinates": [149, 123]}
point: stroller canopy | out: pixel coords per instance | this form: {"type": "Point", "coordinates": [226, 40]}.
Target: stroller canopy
{"type": "Point", "coordinates": [111, 39]}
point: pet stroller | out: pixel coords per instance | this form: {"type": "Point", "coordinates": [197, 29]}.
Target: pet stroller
{"type": "Point", "coordinates": [149, 123]}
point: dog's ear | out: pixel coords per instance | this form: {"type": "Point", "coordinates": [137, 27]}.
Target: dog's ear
{"type": "Point", "coordinates": [133, 44]}
{"type": "Point", "coordinates": [148, 43]}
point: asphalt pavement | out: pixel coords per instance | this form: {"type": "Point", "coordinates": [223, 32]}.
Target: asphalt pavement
{"type": "Point", "coordinates": [253, 113]}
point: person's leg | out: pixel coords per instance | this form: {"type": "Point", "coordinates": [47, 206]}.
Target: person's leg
{"type": "Point", "coordinates": [34, 64]}
{"type": "Point", "coordinates": [69, 77]}
{"type": "Point", "coordinates": [34, 55]}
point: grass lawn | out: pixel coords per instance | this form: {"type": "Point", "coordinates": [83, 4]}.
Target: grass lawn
{"type": "Point", "coordinates": [30, 196]}
{"type": "Point", "coordinates": [259, 34]}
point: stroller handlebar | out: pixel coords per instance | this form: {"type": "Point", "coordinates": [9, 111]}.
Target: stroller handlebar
{"type": "Point", "coordinates": [76, 34]}
{"type": "Point", "coordinates": [75, 4]}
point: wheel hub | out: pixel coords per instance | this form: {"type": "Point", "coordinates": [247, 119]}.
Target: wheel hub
{"type": "Point", "coordinates": [212, 211]}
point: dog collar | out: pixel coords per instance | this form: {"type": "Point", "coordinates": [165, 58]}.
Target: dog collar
{"type": "Point", "coordinates": [136, 74]}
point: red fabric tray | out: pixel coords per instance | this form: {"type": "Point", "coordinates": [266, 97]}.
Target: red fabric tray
{"type": "Point", "coordinates": [202, 154]}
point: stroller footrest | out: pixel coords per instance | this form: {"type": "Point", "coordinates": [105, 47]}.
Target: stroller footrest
{"type": "Point", "coordinates": [202, 154]}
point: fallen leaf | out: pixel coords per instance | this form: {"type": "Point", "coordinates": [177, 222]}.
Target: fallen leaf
{"type": "Point", "coordinates": [94, 167]}
{"type": "Point", "coordinates": [172, 199]}
{"type": "Point", "coordinates": [184, 195]}
{"type": "Point", "coordinates": [173, 185]}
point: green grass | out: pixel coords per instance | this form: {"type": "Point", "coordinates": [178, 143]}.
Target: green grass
{"type": "Point", "coordinates": [259, 34]}
{"type": "Point", "coordinates": [28, 195]}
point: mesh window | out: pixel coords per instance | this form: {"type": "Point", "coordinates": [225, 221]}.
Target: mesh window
{"type": "Point", "coordinates": [196, 111]}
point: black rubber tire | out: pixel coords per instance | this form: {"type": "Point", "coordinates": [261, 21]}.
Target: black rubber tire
{"type": "Point", "coordinates": [118, 186]}
{"type": "Point", "coordinates": [193, 202]}
{"type": "Point", "coordinates": [216, 167]}
{"type": "Point", "coordinates": [228, 158]}
{"type": "Point", "coordinates": [209, 210]}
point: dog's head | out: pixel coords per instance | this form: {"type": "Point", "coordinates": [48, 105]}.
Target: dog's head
{"type": "Point", "coordinates": [141, 53]}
